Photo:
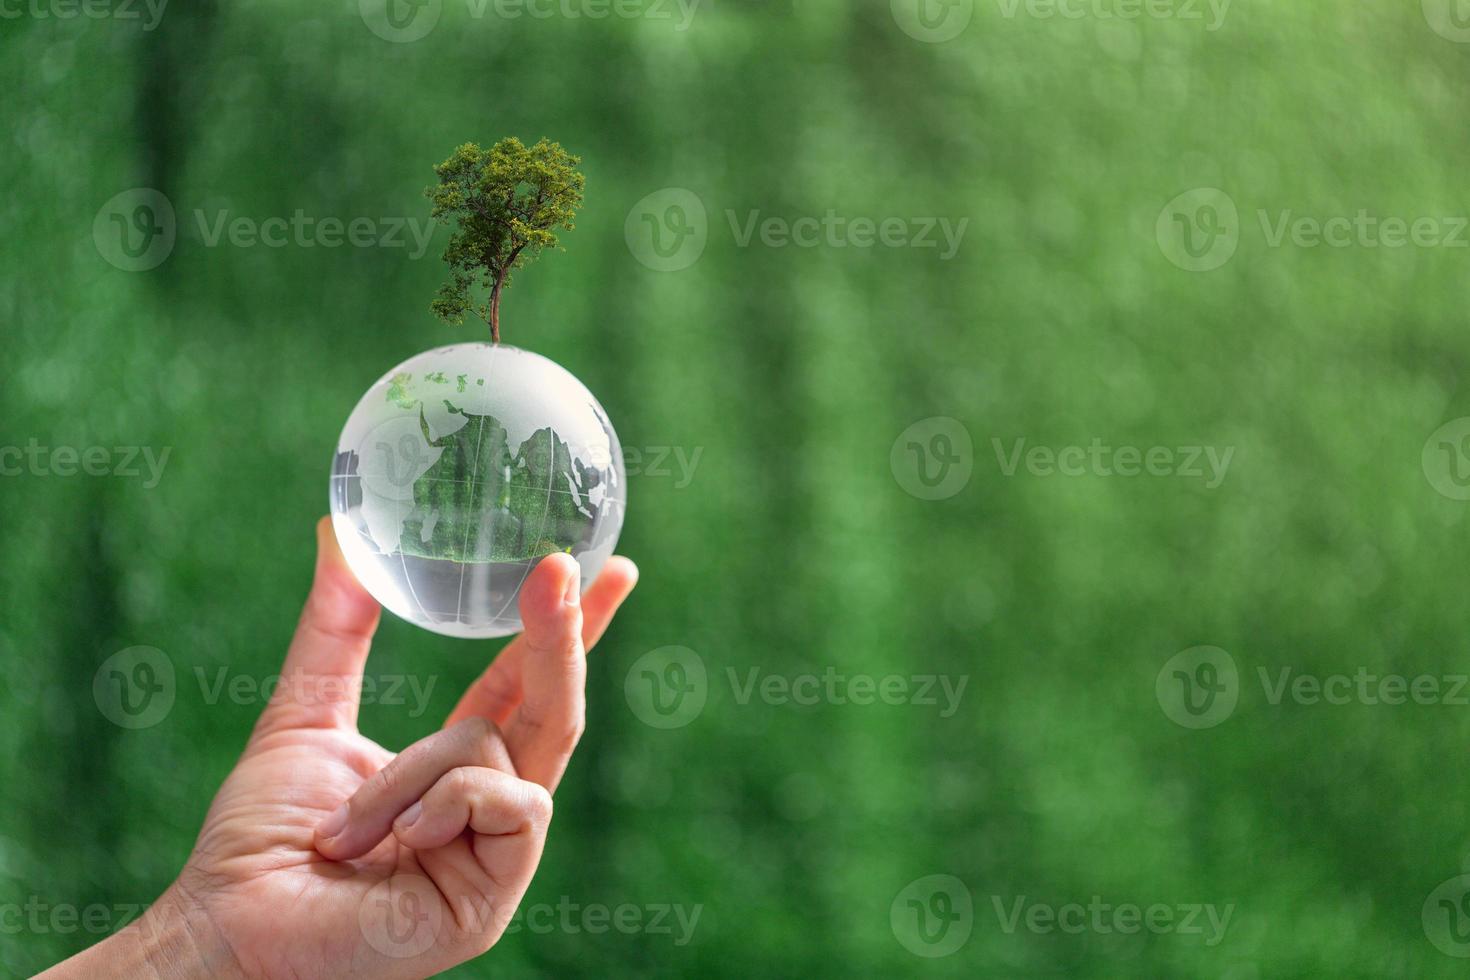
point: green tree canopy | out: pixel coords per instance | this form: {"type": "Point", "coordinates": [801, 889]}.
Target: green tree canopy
{"type": "Point", "coordinates": [509, 201]}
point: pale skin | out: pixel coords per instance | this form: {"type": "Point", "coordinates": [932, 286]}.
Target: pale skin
{"type": "Point", "coordinates": [326, 855]}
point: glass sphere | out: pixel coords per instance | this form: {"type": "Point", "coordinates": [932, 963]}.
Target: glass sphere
{"type": "Point", "coordinates": [463, 467]}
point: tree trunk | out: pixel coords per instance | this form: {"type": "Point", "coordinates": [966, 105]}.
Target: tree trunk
{"type": "Point", "coordinates": [495, 309]}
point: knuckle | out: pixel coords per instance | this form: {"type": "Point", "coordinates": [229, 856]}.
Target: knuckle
{"type": "Point", "coordinates": [496, 697]}
{"type": "Point", "coordinates": [538, 805]}
{"type": "Point", "coordinates": [470, 939]}
{"type": "Point", "coordinates": [461, 783]}
{"type": "Point", "coordinates": [563, 648]}
{"type": "Point", "coordinates": [486, 741]}
{"type": "Point", "coordinates": [474, 728]}
{"type": "Point", "coordinates": [530, 721]}
{"type": "Point", "coordinates": [558, 727]}
{"type": "Point", "coordinates": [477, 731]}
{"type": "Point", "coordinates": [387, 780]}
{"type": "Point", "coordinates": [573, 733]}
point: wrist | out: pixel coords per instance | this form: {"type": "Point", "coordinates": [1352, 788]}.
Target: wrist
{"type": "Point", "coordinates": [182, 940]}
{"type": "Point", "coordinates": [175, 939]}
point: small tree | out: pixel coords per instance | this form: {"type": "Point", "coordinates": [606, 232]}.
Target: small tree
{"type": "Point", "coordinates": [509, 201]}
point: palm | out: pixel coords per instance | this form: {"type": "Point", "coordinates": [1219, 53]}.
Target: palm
{"type": "Point", "coordinates": [255, 856]}
{"type": "Point", "coordinates": [380, 893]}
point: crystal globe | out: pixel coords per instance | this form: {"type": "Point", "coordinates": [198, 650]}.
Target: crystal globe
{"type": "Point", "coordinates": [463, 467]}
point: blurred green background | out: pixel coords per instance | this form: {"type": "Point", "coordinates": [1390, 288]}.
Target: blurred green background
{"type": "Point", "coordinates": [1066, 315]}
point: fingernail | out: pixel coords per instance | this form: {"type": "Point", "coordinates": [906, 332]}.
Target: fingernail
{"type": "Point", "coordinates": [574, 588]}
{"type": "Point", "coordinates": [332, 826]}
{"type": "Point", "coordinates": [409, 817]}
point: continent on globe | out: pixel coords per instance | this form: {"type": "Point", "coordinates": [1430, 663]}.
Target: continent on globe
{"type": "Point", "coordinates": [461, 469]}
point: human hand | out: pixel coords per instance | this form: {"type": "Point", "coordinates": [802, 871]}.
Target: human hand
{"type": "Point", "coordinates": [326, 855]}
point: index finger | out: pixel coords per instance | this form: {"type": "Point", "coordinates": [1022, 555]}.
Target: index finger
{"type": "Point", "coordinates": [546, 726]}
{"type": "Point", "coordinates": [496, 693]}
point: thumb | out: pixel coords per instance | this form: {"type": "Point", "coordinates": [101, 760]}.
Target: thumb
{"type": "Point", "coordinates": [322, 677]}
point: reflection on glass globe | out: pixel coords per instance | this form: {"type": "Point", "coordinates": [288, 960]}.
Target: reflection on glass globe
{"type": "Point", "coordinates": [460, 470]}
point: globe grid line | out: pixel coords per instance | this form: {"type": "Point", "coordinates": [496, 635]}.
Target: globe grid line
{"type": "Point", "coordinates": [545, 510]}
{"type": "Point", "coordinates": [403, 563]}
{"type": "Point", "coordinates": [474, 469]}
